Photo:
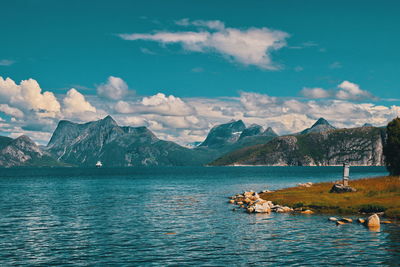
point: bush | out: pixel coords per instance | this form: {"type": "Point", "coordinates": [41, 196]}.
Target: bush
{"type": "Point", "coordinates": [298, 205]}
{"type": "Point", "coordinates": [391, 150]}
{"type": "Point", "coordinates": [371, 208]}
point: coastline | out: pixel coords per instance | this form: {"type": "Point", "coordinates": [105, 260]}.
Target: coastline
{"type": "Point", "coordinates": [374, 195]}
{"type": "Point", "coordinates": [378, 194]}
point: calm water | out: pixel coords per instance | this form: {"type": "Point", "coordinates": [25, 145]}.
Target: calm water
{"type": "Point", "coordinates": [174, 216]}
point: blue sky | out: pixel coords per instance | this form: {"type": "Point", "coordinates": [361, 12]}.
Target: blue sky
{"type": "Point", "coordinates": [292, 56]}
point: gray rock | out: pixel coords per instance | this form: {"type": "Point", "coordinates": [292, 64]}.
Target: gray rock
{"type": "Point", "coordinates": [340, 188]}
{"type": "Point", "coordinates": [262, 208]}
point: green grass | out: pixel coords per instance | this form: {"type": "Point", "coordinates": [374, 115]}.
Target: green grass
{"type": "Point", "coordinates": [381, 194]}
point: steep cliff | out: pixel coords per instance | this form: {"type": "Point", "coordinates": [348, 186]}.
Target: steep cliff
{"type": "Point", "coordinates": [104, 140]}
{"type": "Point", "coordinates": [360, 146]}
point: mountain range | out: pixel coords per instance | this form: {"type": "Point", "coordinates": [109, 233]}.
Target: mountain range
{"type": "Point", "coordinates": [232, 143]}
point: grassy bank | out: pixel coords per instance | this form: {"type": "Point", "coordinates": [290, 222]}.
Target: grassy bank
{"type": "Point", "coordinates": [381, 194]}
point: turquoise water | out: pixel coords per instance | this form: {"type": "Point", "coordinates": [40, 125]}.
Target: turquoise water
{"type": "Point", "coordinates": [174, 216]}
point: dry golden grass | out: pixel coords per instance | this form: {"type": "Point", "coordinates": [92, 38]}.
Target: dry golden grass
{"type": "Point", "coordinates": [373, 195]}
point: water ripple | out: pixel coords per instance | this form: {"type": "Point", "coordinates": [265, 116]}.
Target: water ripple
{"type": "Point", "coordinates": [173, 216]}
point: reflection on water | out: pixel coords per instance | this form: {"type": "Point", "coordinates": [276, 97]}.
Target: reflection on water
{"type": "Point", "coordinates": [176, 216]}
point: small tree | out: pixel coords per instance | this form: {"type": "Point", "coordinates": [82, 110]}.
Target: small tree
{"type": "Point", "coordinates": [391, 150]}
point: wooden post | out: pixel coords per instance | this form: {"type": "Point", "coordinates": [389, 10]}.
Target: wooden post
{"type": "Point", "coordinates": [346, 173]}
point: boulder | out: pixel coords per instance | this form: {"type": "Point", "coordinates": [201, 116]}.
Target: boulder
{"type": "Point", "coordinates": [261, 201]}
{"type": "Point", "coordinates": [308, 184]}
{"type": "Point", "coordinates": [279, 210]}
{"type": "Point", "coordinates": [340, 223]}
{"type": "Point", "coordinates": [255, 197]}
{"type": "Point", "coordinates": [247, 200]}
{"type": "Point", "coordinates": [284, 209]}
{"type": "Point", "coordinates": [248, 194]}
{"type": "Point", "coordinates": [239, 203]}
{"type": "Point", "coordinates": [373, 221]}
{"type": "Point", "coordinates": [333, 219]}
{"type": "Point", "coordinates": [261, 208]}
{"type": "Point", "coordinates": [360, 220]}
{"type": "Point", "coordinates": [232, 201]}
{"type": "Point", "coordinates": [339, 188]}
{"type": "Point", "coordinates": [346, 220]}
{"type": "Point", "coordinates": [307, 212]}
{"type": "Point", "coordinates": [250, 209]}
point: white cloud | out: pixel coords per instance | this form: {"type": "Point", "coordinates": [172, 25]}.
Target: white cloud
{"type": "Point", "coordinates": [345, 91]}
{"type": "Point", "coordinates": [6, 62]}
{"type": "Point", "coordinates": [75, 103]}
{"type": "Point", "coordinates": [335, 65]}
{"type": "Point", "coordinates": [352, 91]}
{"type": "Point", "coordinates": [185, 120]}
{"type": "Point", "coordinates": [38, 137]}
{"type": "Point", "coordinates": [115, 88]}
{"type": "Point", "coordinates": [249, 47]}
{"type": "Point", "coordinates": [211, 24]}
{"type": "Point", "coordinates": [315, 93]}
{"type": "Point", "coordinates": [198, 69]}
{"type": "Point", "coordinates": [156, 104]}
{"type": "Point", "coordinates": [29, 97]}
{"type": "Point", "coordinates": [298, 68]}
{"type": "Point", "coordinates": [147, 51]}
{"type": "Point", "coordinates": [11, 111]}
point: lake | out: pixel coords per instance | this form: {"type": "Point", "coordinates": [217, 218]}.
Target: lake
{"type": "Point", "coordinates": [175, 216]}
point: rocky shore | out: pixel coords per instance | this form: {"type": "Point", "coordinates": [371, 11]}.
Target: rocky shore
{"type": "Point", "coordinates": [253, 203]}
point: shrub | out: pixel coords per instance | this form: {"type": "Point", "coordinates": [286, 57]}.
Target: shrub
{"type": "Point", "coordinates": [391, 150]}
{"type": "Point", "coordinates": [371, 208]}
{"type": "Point", "coordinates": [298, 205]}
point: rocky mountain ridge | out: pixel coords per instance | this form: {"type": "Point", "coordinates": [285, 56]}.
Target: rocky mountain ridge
{"type": "Point", "coordinates": [74, 144]}
{"type": "Point", "coordinates": [22, 151]}
{"type": "Point", "coordinates": [360, 146]}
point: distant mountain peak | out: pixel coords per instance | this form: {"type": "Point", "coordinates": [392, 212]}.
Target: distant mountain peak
{"type": "Point", "coordinates": [225, 133]}
{"type": "Point", "coordinates": [320, 121]}
{"type": "Point", "coordinates": [252, 130]}
{"type": "Point", "coordinates": [321, 125]}
{"type": "Point", "coordinates": [108, 120]}
{"type": "Point", "coordinates": [23, 138]}
{"type": "Point", "coordinates": [270, 131]}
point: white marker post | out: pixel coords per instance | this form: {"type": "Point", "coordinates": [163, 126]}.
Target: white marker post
{"type": "Point", "coordinates": [346, 173]}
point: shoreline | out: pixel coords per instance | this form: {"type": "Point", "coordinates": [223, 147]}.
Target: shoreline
{"type": "Point", "coordinates": [379, 195]}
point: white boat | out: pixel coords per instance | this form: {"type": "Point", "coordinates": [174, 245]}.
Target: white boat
{"type": "Point", "coordinates": [99, 164]}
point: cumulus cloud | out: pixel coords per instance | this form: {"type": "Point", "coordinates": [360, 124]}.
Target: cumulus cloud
{"type": "Point", "coordinates": [156, 104]}
{"type": "Point", "coordinates": [345, 91]}
{"type": "Point", "coordinates": [115, 88]}
{"type": "Point", "coordinates": [75, 103]}
{"type": "Point", "coordinates": [29, 110]}
{"type": "Point", "coordinates": [28, 96]}
{"type": "Point", "coordinates": [251, 46]}
{"type": "Point", "coordinates": [352, 91]}
{"type": "Point", "coordinates": [14, 112]}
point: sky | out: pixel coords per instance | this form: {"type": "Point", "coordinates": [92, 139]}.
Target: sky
{"type": "Point", "coordinates": [181, 67]}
